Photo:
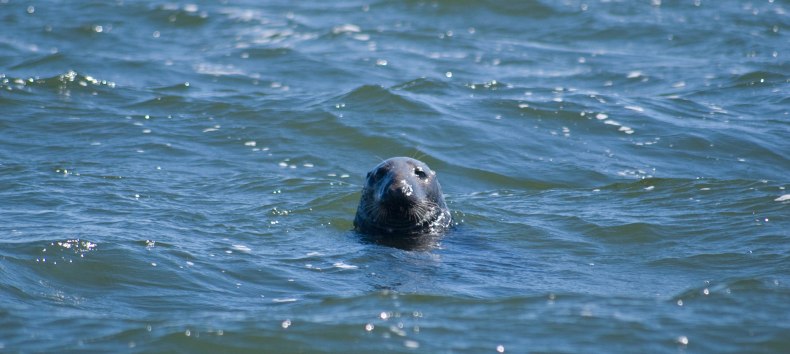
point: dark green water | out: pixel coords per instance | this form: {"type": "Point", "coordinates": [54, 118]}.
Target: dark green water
{"type": "Point", "coordinates": [182, 177]}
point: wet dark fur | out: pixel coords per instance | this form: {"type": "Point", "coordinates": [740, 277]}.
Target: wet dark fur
{"type": "Point", "coordinates": [402, 197]}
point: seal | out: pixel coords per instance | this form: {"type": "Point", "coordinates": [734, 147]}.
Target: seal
{"type": "Point", "coordinates": [402, 198]}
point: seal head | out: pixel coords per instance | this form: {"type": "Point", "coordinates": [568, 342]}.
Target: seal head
{"type": "Point", "coordinates": [402, 197]}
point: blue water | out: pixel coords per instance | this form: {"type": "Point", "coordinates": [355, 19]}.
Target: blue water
{"type": "Point", "coordinates": [182, 177]}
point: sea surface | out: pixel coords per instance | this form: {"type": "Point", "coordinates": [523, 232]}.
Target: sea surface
{"type": "Point", "coordinates": [183, 176]}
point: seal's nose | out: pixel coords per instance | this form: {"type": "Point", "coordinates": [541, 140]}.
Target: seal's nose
{"type": "Point", "coordinates": [397, 191]}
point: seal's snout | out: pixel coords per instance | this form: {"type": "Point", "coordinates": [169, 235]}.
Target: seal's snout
{"type": "Point", "coordinates": [397, 192]}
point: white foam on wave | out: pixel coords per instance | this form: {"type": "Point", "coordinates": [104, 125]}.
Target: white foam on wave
{"type": "Point", "coordinates": [218, 69]}
{"type": "Point", "coordinates": [635, 108]}
{"type": "Point", "coordinates": [346, 28]}
{"type": "Point", "coordinates": [342, 265]}
{"type": "Point", "coordinates": [241, 248]}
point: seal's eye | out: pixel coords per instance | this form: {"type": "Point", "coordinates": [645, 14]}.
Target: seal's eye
{"type": "Point", "coordinates": [420, 173]}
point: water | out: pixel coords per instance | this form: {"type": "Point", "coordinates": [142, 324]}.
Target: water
{"type": "Point", "coordinates": [183, 176]}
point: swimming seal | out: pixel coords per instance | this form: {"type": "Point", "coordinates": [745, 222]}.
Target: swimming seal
{"type": "Point", "coordinates": [402, 197]}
